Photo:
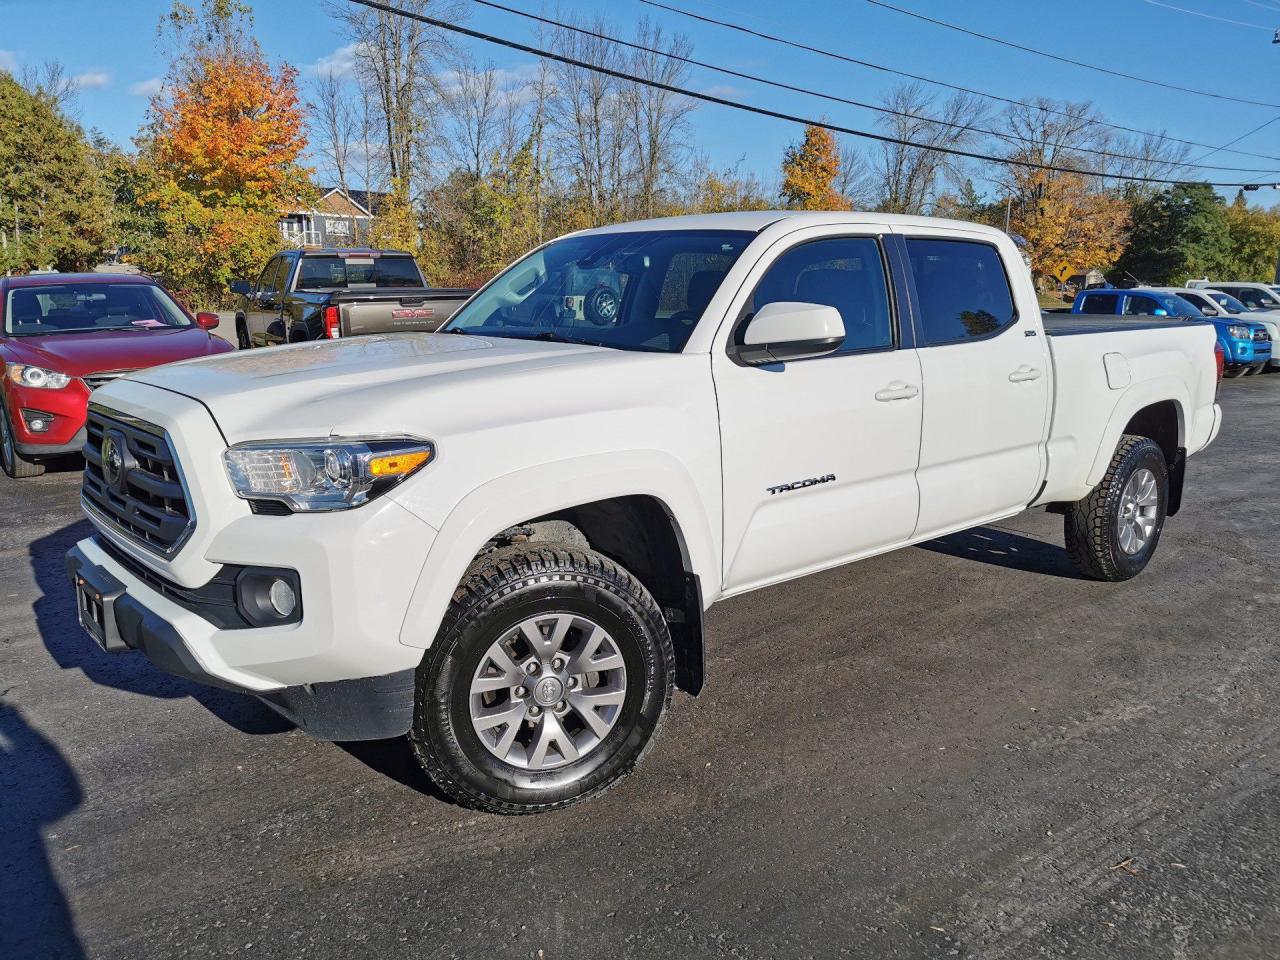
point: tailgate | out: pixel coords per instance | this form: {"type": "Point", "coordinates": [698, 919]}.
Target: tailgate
{"type": "Point", "coordinates": [390, 311]}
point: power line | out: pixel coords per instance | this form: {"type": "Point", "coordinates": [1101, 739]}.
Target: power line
{"type": "Point", "coordinates": [798, 45]}
{"type": "Point", "coordinates": [726, 71]}
{"type": "Point", "coordinates": [1075, 63]}
{"type": "Point", "coordinates": [1239, 138]}
{"type": "Point", "coordinates": [1209, 16]}
{"type": "Point", "coordinates": [760, 111]}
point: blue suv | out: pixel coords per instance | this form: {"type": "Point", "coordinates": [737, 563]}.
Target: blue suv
{"type": "Point", "coordinates": [1246, 345]}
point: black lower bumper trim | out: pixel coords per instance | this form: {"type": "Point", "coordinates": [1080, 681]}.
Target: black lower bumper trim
{"type": "Point", "coordinates": [371, 708]}
{"type": "Point", "coordinates": [52, 449]}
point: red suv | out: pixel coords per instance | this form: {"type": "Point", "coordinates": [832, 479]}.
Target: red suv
{"type": "Point", "coordinates": [62, 335]}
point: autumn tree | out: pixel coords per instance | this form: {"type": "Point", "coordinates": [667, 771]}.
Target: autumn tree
{"type": "Point", "coordinates": [52, 200]}
{"type": "Point", "coordinates": [219, 158]}
{"type": "Point", "coordinates": [809, 172]}
{"type": "Point", "coordinates": [1064, 219]}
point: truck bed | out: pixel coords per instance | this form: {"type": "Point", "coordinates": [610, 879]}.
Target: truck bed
{"type": "Point", "coordinates": [1070, 324]}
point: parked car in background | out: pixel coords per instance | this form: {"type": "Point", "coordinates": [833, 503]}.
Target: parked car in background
{"type": "Point", "coordinates": [501, 541]}
{"type": "Point", "coordinates": [1222, 306]}
{"type": "Point", "coordinates": [64, 334]}
{"type": "Point", "coordinates": [1255, 296]}
{"type": "Point", "coordinates": [305, 295]}
{"type": "Point", "coordinates": [1246, 344]}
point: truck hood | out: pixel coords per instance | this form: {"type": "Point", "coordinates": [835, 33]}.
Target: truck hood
{"type": "Point", "coordinates": [79, 354]}
{"type": "Point", "coordinates": [362, 385]}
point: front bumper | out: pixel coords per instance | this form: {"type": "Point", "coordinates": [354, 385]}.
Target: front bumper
{"type": "Point", "coordinates": [132, 616]}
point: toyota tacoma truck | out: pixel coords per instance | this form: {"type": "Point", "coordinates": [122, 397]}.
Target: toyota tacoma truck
{"type": "Point", "coordinates": [306, 295]}
{"type": "Point", "coordinates": [500, 539]}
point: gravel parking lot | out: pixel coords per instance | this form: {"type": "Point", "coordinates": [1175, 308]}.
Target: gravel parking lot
{"type": "Point", "coordinates": [955, 750]}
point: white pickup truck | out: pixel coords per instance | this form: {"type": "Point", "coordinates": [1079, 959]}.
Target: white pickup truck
{"type": "Point", "coordinates": [501, 538]}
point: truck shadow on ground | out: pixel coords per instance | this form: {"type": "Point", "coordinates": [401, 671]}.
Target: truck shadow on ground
{"type": "Point", "coordinates": [1002, 548]}
{"type": "Point", "coordinates": [394, 760]}
{"type": "Point", "coordinates": [72, 649]}
{"type": "Point", "coordinates": [38, 787]}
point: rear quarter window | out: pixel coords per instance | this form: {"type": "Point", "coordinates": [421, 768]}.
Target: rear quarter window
{"type": "Point", "coordinates": [1098, 303]}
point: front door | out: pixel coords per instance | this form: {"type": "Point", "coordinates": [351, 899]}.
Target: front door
{"type": "Point", "coordinates": [987, 378]}
{"type": "Point", "coordinates": [262, 316]}
{"type": "Point", "coordinates": [819, 455]}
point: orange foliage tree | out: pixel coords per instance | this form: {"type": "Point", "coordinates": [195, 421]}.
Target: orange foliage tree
{"type": "Point", "coordinates": [809, 171]}
{"type": "Point", "coordinates": [220, 157]}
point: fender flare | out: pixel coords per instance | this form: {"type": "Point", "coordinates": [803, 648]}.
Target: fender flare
{"type": "Point", "coordinates": [536, 491]}
{"type": "Point", "coordinates": [1135, 398]}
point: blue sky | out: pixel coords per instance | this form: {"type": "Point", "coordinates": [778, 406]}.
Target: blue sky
{"type": "Point", "coordinates": [1218, 45]}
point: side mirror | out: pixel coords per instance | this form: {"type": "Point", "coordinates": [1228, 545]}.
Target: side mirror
{"type": "Point", "coordinates": [1160, 312]}
{"type": "Point", "coordinates": [241, 287]}
{"type": "Point", "coordinates": [206, 321]}
{"type": "Point", "coordinates": [1209, 311]}
{"type": "Point", "coordinates": [790, 331]}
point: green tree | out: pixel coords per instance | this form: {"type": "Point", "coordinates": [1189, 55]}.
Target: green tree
{"type": "Point", "coordinates": [52, 199]}
{"type": "Point", "coordinates": [1253, 242]}
{"type": "Point", "coordinates": [1177, 234]}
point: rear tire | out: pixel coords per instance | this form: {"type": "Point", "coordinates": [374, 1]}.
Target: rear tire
{"type": "Point", "coordinates": [13, 463]}
{"type": "Point", "coordinates": [543, 635]}
{"type": "Point", "coordinates": [1113, 532]}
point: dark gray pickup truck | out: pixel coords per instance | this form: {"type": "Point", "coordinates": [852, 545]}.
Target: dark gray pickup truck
{"type": "Point", "coordinates": [326, 294]}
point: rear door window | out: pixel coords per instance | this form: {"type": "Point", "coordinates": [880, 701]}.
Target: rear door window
{"type": "Point", "coordinates": [962, 289]}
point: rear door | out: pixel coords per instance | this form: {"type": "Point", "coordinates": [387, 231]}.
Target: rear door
{"type": "Point", "coordinates": [819, 455]}
{"type": "Point", "coordinates": [987, 377]}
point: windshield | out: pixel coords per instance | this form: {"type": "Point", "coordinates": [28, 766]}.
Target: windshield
{"type": "Point", "coordinates": [89, 307]}
{"type": "Point", "coordinates": [1256, 299]}
{"type": "Point", "coordinates": [640, 290]}
{"type": "Point", "coordinates": [1227, 302]}
{"type": "Point", "coordinates": [339, 273]}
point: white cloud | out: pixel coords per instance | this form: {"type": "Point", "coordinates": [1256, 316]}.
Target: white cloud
{"type": "Point", "coordinates": [147, 88]}
{"type": "Point", "coordinates": [91, 80]}
{"type": "Point", "coordinates": [340, 63]}
{"type": "Point", "coordinates": [723, 90]}
{"type": "Point", "coordinates": [8, 61]}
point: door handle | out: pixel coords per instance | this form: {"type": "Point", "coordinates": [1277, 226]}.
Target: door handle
{"type": "Point", "coordinates": [1024, 373]}
{"type": "Point", "coordinates": [897, 391]}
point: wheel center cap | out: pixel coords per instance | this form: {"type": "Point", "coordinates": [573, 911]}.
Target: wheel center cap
{"type": "Point", "coordinates": [548, 691]}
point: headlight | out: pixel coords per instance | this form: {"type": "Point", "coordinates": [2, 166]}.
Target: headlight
{"type": "Point", "coordinates": [38, 377]}
{"type": "Point", "coordinates": [1239, 333]}
{"type": "Point", "coordinates": [319, 475]}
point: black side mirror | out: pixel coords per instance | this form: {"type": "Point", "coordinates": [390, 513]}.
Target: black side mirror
{"type": "Point", "coordinates": [241, 287]}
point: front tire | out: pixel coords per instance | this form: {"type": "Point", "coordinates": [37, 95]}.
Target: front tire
{"type": "Point", "coordinates": [1113, 532]}
{"type": "Point", "coordinates": [547, 681]}
{"type": "Point", "coordinates": [13, 463]}
{"type": "Point", "coordinates": [242, 336]}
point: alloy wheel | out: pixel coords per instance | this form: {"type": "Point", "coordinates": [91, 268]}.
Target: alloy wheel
{"type": "Point", "coordinates": [548, 691]}
{"type": "Point", "coordinates": [1139, 511]}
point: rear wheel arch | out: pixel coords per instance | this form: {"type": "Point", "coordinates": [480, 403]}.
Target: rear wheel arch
{"type": "Point", "coordinates": [1164, 423]}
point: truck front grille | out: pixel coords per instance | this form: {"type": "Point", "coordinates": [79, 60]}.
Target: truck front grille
{"type": "Point", "coordinates": [131, 480]}
{"type": "Point", "coordinates": [95, 380]}
{"type": "Point", "coordinates": [1261, 336]}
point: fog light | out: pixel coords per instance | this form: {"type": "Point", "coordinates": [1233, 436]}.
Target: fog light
{"type": "Point", "coordinates": [37, 421]}
{"type": "Point", "coordinates": [269, 596]}
{"type": "Point", "coordinates": [283, 600]}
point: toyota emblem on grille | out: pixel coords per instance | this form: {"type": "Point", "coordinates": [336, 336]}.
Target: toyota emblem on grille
{"type": "Point", "coordinates": [113, 466]}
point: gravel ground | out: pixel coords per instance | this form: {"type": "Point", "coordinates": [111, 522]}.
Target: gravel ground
{"type": "Point", "coordinates": [960, 749]}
